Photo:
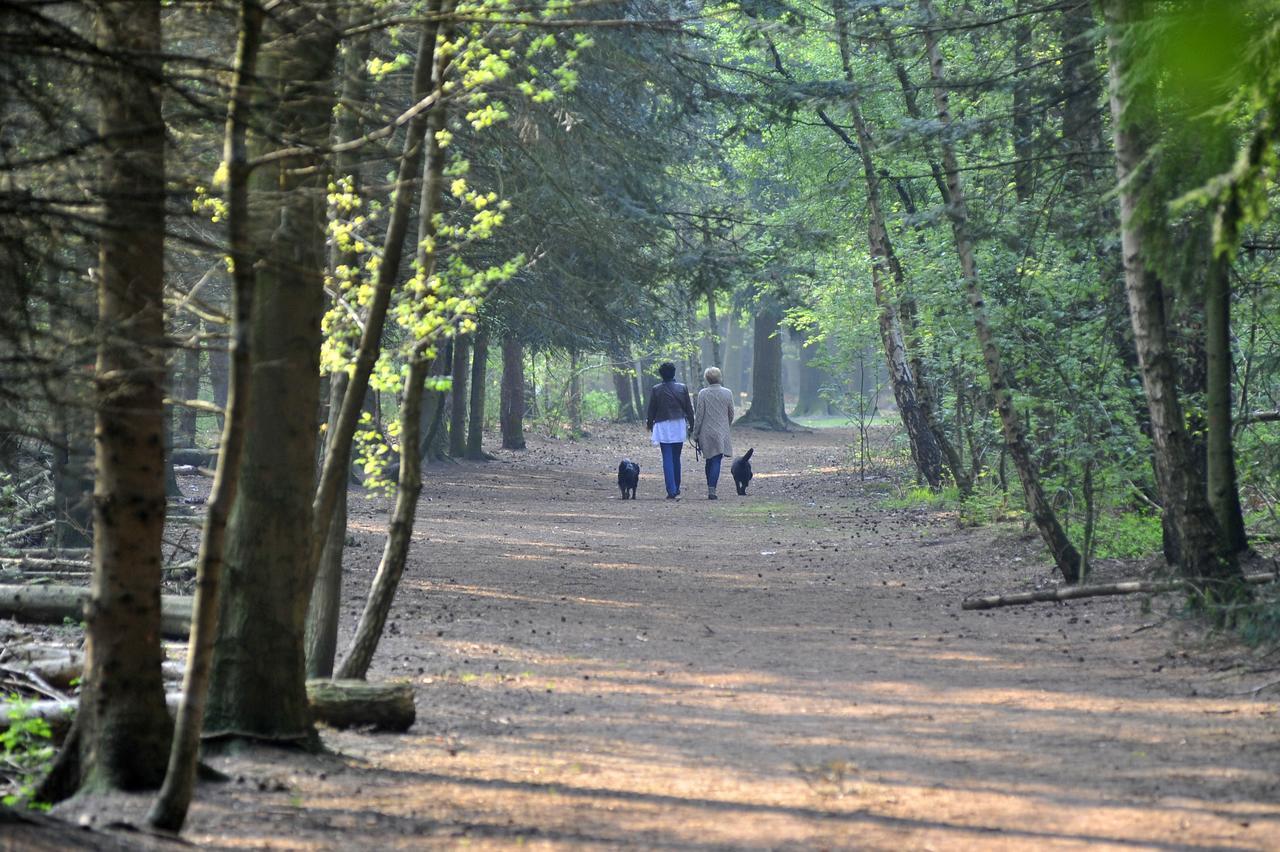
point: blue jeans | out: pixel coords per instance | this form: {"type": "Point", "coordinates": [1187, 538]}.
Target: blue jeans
{"type": "Point", "coordinates": [671, 467]}
{"type": "Point", "coordinates": [713, 470]}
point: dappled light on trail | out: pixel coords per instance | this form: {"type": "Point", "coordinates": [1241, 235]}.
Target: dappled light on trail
{"type": "Point", "coordinates": [787, 669]}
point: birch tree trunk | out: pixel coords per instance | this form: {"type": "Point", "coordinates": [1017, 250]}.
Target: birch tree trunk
{"type": "Point", "coordinates": [1199, 539]}
{"type": "Point", "coordinates": [1065, 555]}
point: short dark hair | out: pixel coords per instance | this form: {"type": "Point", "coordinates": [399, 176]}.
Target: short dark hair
{"type": "Point", "coordinates": [667, 370]}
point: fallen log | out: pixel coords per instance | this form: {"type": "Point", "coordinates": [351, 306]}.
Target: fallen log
{"type": "Point", "coordinates": [360, 704]}
{"type": "Point", "coordinates": [193, 456]}
{"type": "Point", "coordinates": [337, 703]}
{"type": "Point", "coordinates": [1068, 593]}
{"type": "Point", "coordinates": [61, 667]}
{"type": "Point", "coordinates": [37, 563]}
{"type": "Point", "coordinates": [55, 604]}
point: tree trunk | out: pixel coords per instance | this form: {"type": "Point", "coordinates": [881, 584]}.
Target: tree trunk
{"type": "Point", "coordinates": [575, 394]}
{"type": "Point", "coordinates": [1199, 540]}
{"type": "Point", "coordinates": [355, 665]}
{"type": "Point", "coordinates": [637, 392]}
{"type": "Point", "coordinates": [622, 374]}
{"type": "Point", "coordinates": [333, 477]}
{"type": "Point", "coordinates": [1065, 555]}
{"type": "Point", "coordinates": [72, 476]}
{"type": "Point", "coordinates": [124, 726]}
{"type": "Point", "coordinates": [475, 418]}
{"type": "Point", "coordinates": [1081, 92]}
{"type": "Point", "coordinates": [219, 376]}
{"type": "Point", "coordinates": [409, 485]}
{"type": "Point", "coordinates": [1224, 493]}
{"type": "Point", "coordinates": [811, 402]}
{"type": "Point", "coordinates": [326, 595]}
{"type": "Point", "coordinates": [1025, 117]}
{"type": "Point", "coordinates": [170, 808]}
{"type": "Point", "coordinates": [257, 687]}
{"type": "Point", "coordinates": [732, 368]}
{"type": "Point", "coordinates": [184, 422]}
{"type": "Point", "coordinates": [458, 396]}
{"type": "Point", "coordinates": [767, 411]}
{"type": "Point", "coordinates": [511, 411]}
{"type": "Point", "coordinates": [713, 331]}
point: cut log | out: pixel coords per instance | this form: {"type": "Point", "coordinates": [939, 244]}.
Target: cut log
{"type": "Point", "coordinates": [359, 704]}
{"type": "Point", "coordinates": [55, 604]}
{"type": "Point", "coordinates": [1067, 593]}
{"type": "Point", "coordinates": [337, 703]}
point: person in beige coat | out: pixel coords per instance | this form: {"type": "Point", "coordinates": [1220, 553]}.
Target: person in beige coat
{"type": "Point", "coordinates": [712, 417]}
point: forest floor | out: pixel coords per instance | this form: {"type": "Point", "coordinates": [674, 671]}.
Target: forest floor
{"type": "Point", "coordinates": [785, 670]}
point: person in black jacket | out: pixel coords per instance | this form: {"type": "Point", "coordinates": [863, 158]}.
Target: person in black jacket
{"type": "Point", "coordinates": [670, 418]}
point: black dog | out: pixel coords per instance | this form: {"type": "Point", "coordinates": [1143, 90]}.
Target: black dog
{"type": "Point", "coordinates": [628, 478]}
{"type": "Point", "coordinates": [741, 471]}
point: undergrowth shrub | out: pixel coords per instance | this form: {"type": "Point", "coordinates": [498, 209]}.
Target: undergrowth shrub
{"type": "Point", "coordinates": [26, 750]}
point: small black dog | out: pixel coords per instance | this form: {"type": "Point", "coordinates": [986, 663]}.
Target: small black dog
{"type": "Point", "coordinates": [741, 471]}
{"type": "Point", "coordinates": [628, 478]}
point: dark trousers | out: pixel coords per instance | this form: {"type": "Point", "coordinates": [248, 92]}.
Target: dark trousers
{"type": "Point", "coordinates": [713, 470]}
{"type": "Point", "coordinates": [671, 467]}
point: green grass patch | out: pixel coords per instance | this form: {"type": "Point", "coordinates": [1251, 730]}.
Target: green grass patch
{"type": "Point", "coordinates": [1126, 535]}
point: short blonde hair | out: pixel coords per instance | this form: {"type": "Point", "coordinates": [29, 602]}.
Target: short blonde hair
{"type": "Point", "coordinates": [712, 375]}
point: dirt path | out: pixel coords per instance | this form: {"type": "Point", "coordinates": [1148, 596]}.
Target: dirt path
{"type": "Point", "coordinates": [786, 670]}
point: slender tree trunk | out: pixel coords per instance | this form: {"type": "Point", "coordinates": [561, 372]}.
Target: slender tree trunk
{"type": "Point", "coordinates": [333, 477]}
{"type": "Point", "coordinates": [811, 401]}
{"type": "Point", "coordinates": [511, 411]}
{"type": "Point", "coordinates": [637, 393]}
{"type": "Point", "coordinates": [323, 611]}
{"type": "Point", "coordinates": [1065, 555]}
{"type": "Point", "coordinates": [355, 665]}
{"type": "Point", "coordinates": [621, 373]}
{"type": "Point", "coordinates": [713, 330]}
{"type": "Point", "coordinates": [475, 420]}
{"type": "Point", "coordinates": [219, 376]}
{"type": "Point", "coordinates": [767, 410]}
{"type": "Point", "coordinates": [1224, 493]}
{"type": "Point", "coordinates": [124, 726]}
{"type": "Point", "coordinates": [184, 425]}
{"type": "Point", "coordinates": [575, 393]}
{"type": "Point", "coordinates": [326, 596]}
{"type": "Point", "coordinates": [458, 394]}
{"type": "Point", "coordinates": [925, 449]}
{"type": "Point", "coordinates": [72, 475]}
{"type": "Point", "coordinates": [1025, 119]}
{"type": "Point", "coordinates": [1203, 558]}
{"type": "Point", "coordinates": [170, 808]}
{"type": "Point", "coordinates": [258, 679]}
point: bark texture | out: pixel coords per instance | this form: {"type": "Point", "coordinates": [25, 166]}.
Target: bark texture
{"type": "Point", "coordinates": [1199, 540]}
{"type": "Point", "coordinates": [767, 410]}
{"type": "Point", "coordinates": [124, 727]}
{"type": "Point", "coordinates": [258, 679]}
{"type": "Point", "coordinates": [1065, 555]}
{"type": "Point", "coordinates": [511, 410]}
